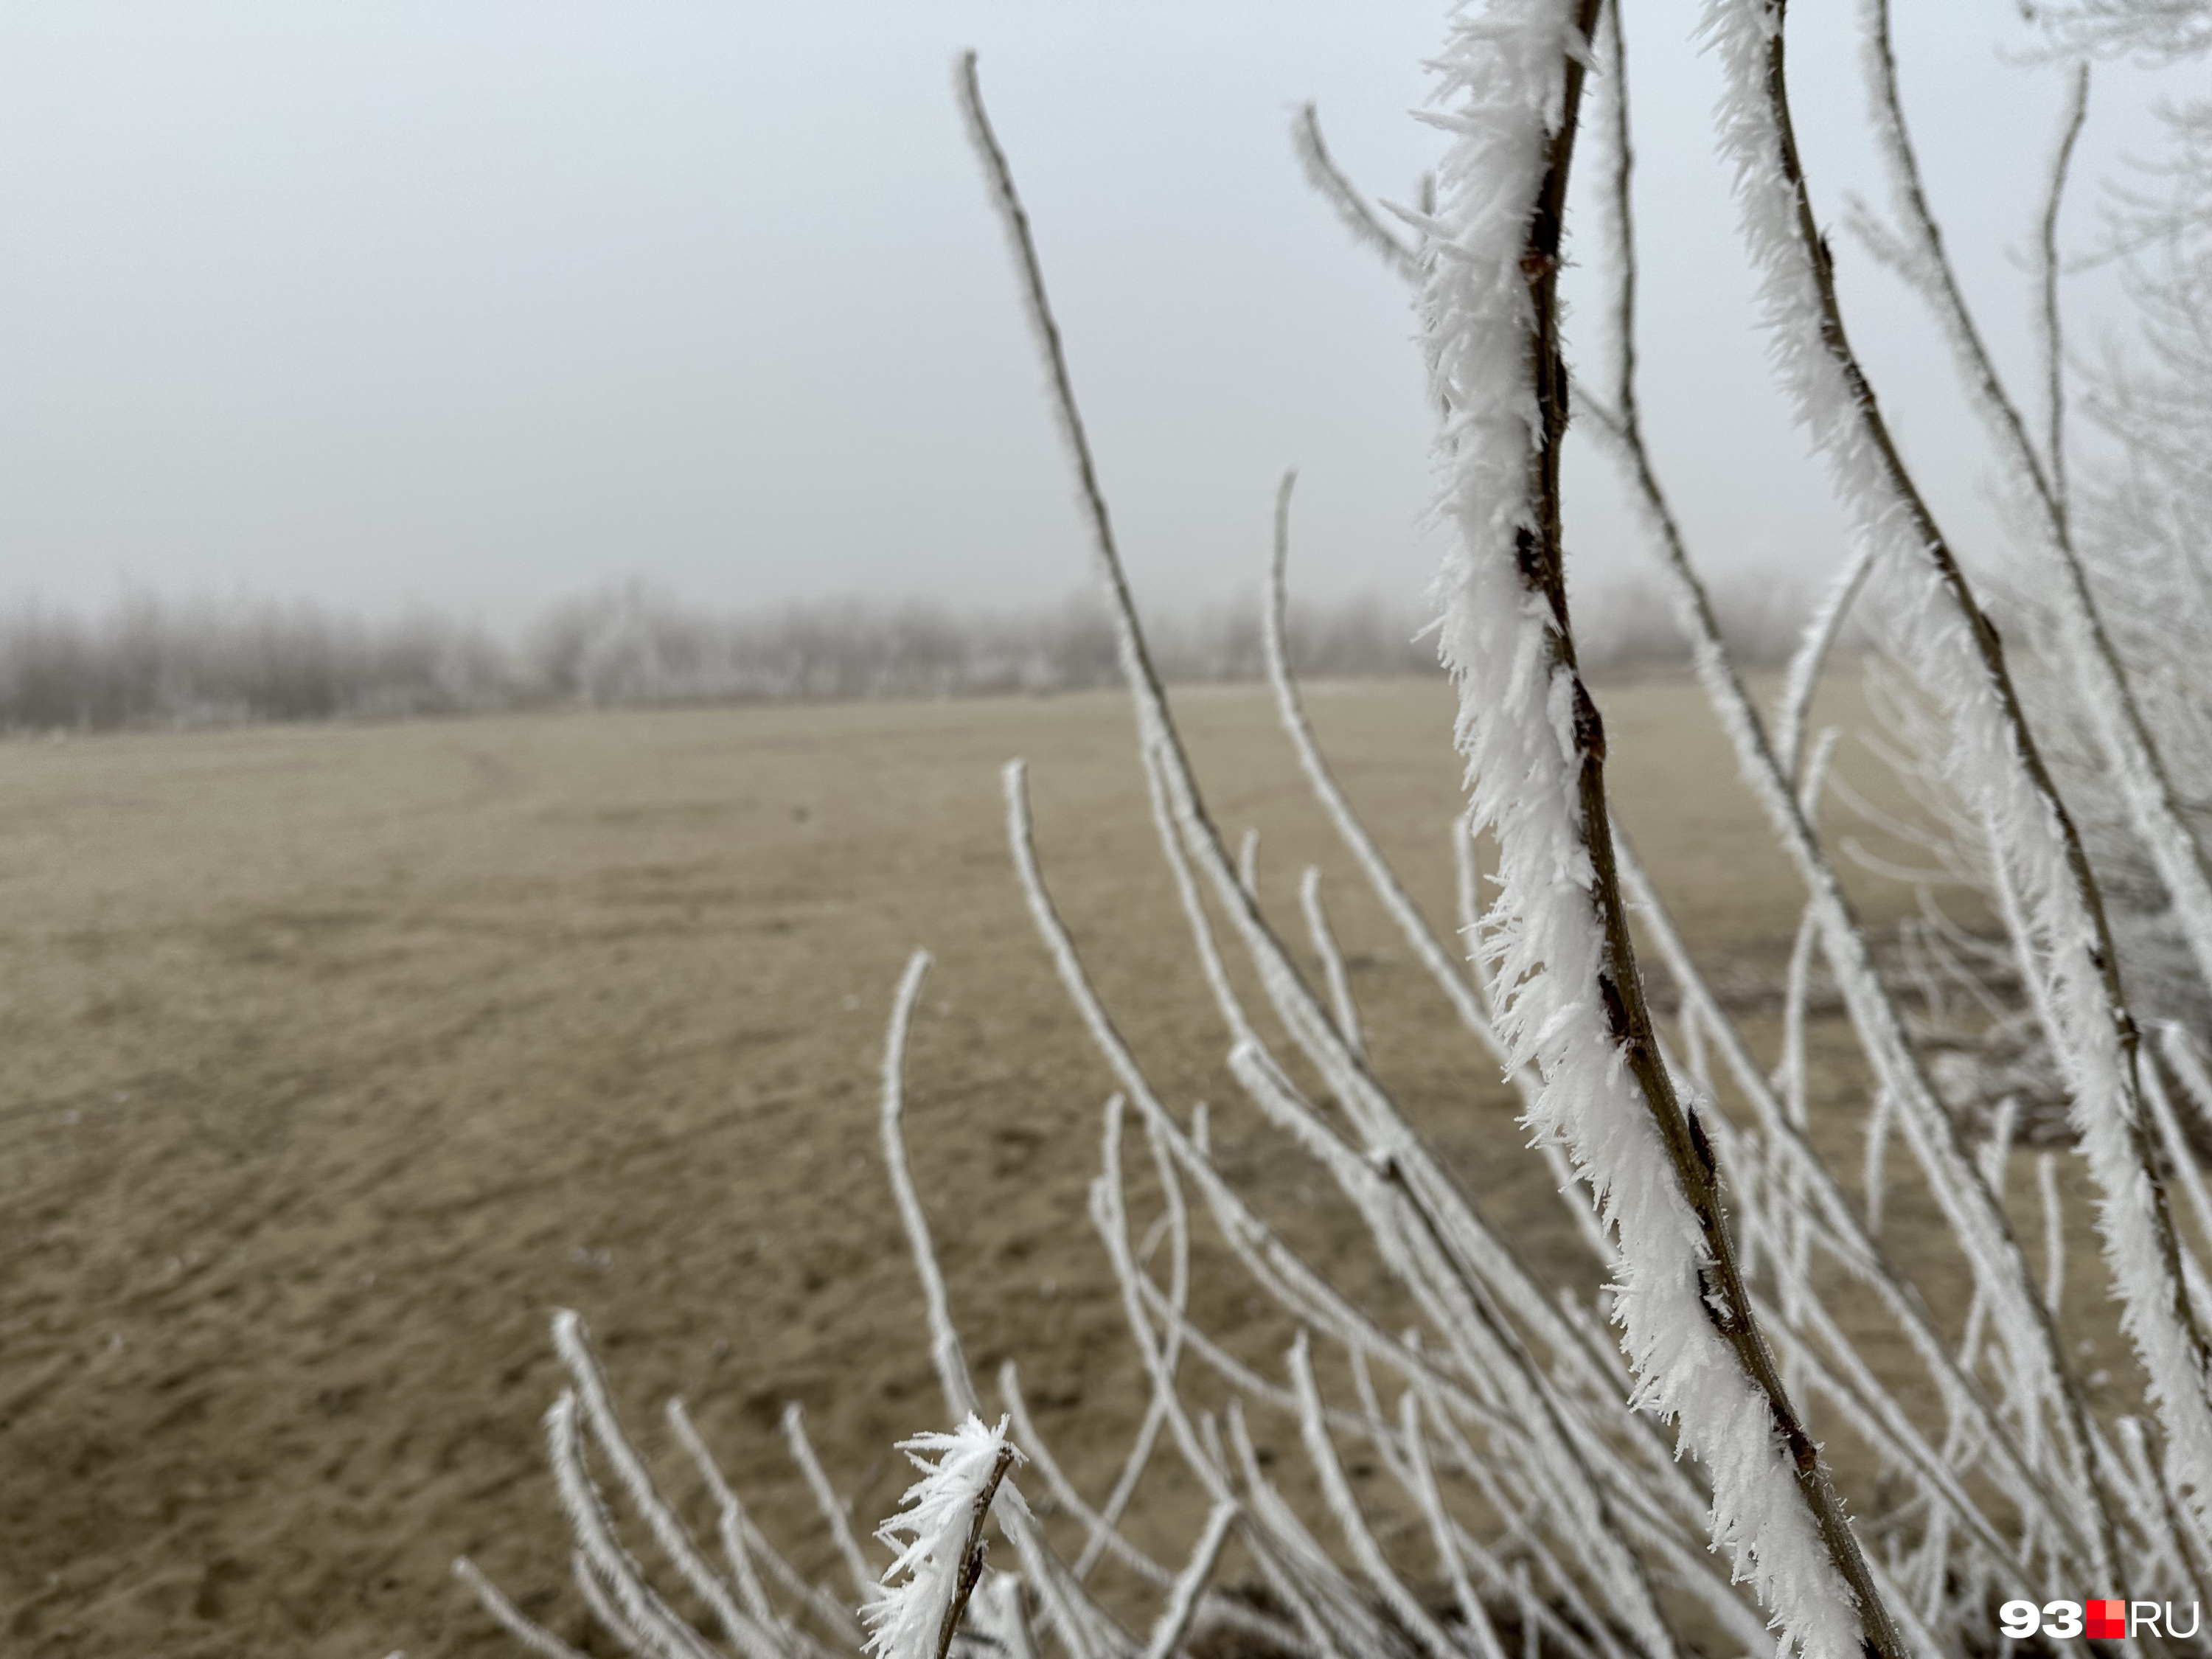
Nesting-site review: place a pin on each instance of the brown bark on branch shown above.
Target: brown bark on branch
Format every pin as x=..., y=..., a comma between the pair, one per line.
x=1540, y=551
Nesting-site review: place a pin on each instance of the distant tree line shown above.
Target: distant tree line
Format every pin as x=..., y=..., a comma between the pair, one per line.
x=144, y=662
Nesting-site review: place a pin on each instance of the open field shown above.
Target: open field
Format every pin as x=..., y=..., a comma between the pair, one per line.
x=334, y=1059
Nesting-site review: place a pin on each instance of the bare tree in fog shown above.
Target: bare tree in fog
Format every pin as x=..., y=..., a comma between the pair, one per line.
x=145, y=663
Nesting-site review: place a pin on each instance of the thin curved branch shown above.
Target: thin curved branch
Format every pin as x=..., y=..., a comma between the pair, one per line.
x=2004, y=769
x=2054, y=337
x=1352, y=207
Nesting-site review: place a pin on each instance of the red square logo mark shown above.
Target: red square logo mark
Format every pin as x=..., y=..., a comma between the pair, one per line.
x=2107, y=1621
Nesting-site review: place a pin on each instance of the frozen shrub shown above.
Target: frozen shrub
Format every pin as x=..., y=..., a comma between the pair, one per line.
x=1663, y=1487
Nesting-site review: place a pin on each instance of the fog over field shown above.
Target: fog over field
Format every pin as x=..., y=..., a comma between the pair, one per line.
x=145, y=664
x=1396, y=818
x=476, y=305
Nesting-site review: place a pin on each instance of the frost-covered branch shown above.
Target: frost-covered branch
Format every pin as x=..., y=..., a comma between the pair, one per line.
x=940, y=1518
x=1994, y=758
x=2103, y=685
x=2001, y=1265
x=2047, y=272
x=1556, y=943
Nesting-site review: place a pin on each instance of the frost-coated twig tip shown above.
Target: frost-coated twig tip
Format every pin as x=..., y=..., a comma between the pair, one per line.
x=937, y=1536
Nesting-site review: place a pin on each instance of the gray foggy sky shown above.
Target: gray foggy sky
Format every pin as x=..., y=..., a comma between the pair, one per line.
x=477, y=302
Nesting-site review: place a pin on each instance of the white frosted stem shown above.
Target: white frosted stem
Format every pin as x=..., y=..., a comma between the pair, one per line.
x=2054, y=1232
x=1252, y=1386
x=1875, y=1179
x=2181, y=1050
x=1482, y=1635
x=1315, y=1634
x=1461, y=988
x=1159, y=742
x=1176, y=1216
x=1351, y=206
x=1802, y=680
x=1451, y=977
x=834, y=1512
x=524, y=1630
x=1001, y=1601
x=668, y=1532
x=729, y=1516
x=1101, y=1533
x=1336, y=1490
x=648, y=1618
x=1332, y=961
x=1077, y=1623
x=1350, y=1613
x=1885, y=1424
x=2167, y=1528
x=1468, y=897
x=951, y=1362
x=832, y=1614
x=600, y=1601
x=2174, y=1044
x=1174, y=1620
x=1560, y=1446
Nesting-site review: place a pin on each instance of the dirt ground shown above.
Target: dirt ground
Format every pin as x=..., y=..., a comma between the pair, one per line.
x=333, y=1060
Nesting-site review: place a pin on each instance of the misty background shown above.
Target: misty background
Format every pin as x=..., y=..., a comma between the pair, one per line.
x=486, y=351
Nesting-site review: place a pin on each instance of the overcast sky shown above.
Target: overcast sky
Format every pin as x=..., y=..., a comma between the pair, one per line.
x=475, y=303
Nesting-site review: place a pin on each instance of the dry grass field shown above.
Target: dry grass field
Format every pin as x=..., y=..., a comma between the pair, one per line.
x=333, y=1059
